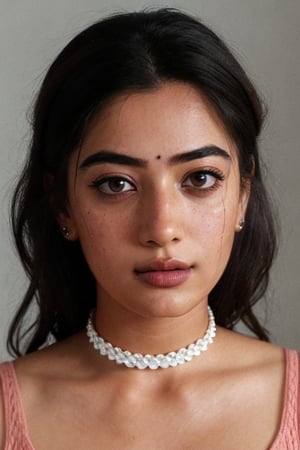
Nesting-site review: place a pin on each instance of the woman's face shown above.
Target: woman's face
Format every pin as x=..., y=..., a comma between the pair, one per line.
x=155, y=200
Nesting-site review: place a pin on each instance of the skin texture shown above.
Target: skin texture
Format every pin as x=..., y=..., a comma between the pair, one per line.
x=161, y=213
x=228, y=398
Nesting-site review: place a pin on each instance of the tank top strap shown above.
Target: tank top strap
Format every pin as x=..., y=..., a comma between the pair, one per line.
x=288, y=437
x=292, y=395
x=298, y=410
x=16, y=434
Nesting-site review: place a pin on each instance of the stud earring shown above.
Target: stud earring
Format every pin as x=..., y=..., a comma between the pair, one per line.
x=65, y=232
x=241, y=224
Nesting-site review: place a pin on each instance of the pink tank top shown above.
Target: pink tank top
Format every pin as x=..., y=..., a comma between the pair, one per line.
x=288, y=436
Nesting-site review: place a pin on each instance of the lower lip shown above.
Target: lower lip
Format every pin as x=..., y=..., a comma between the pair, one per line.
x=164, y=278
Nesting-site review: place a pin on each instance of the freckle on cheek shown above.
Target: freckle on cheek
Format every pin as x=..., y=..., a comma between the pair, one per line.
x=158, y=157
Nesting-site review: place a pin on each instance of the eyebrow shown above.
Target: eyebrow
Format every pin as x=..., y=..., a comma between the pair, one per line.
x=108, y=156
x=211, y=150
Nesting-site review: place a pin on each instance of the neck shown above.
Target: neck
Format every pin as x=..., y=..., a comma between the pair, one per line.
x=149, y=335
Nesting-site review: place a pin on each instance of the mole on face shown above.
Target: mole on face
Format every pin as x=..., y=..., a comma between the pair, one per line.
x=158, y=157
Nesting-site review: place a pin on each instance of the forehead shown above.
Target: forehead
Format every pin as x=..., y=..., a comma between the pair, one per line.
x=161, y=121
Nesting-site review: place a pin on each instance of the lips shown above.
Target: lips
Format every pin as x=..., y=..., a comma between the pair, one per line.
x=164, y=273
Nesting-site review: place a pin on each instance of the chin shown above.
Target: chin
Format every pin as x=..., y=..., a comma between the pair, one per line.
x=168, y=307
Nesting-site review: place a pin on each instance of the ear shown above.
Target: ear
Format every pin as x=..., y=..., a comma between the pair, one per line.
x=243, y=203
x=67, y=226
x=63, y=218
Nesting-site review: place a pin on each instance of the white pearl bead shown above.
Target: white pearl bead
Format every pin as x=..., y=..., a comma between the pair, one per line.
x=153, y=363
x=140, y=364
x=179, y=359
x=203, y=346
x=103, y=350
x=164, y=363
x=132, y=359
x=197, y=350
x=111, y=355
x=128, y=363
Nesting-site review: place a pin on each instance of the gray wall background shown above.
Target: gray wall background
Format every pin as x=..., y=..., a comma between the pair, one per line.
x=265, y=35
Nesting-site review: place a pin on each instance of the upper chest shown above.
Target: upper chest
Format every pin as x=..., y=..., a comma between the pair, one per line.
x=229, y=413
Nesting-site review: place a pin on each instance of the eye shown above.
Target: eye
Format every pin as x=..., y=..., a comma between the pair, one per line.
x=203, y=180
x=113, y=185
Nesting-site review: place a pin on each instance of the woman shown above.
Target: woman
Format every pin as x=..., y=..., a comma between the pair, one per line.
x=142, y=202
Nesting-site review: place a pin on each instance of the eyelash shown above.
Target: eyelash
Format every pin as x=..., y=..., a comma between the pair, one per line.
x=216, y=174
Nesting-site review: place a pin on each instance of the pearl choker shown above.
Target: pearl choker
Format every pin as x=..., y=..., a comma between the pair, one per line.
x=140, y=361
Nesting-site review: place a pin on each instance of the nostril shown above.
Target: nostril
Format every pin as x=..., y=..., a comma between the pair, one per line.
x=160, y=243
x=159, y=234
x=151, y=242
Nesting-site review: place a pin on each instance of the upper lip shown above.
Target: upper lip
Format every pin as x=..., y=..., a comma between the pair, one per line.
x=163, y=265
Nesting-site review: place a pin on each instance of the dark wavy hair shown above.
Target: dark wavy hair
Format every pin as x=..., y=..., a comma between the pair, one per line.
x=124, y=53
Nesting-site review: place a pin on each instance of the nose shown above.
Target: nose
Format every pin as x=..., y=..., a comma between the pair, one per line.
x=161, y=220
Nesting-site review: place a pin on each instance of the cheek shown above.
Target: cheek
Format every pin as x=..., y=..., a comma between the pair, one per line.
x=213, y=229
x=92, y=220
x=217, y=218
x=101, y=236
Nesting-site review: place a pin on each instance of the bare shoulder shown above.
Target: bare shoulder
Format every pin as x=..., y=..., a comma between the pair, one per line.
x=49, y=366
x=50, y=359
x=250, y=375
x=259, y=366
x=250, y=349
x=252, y=355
